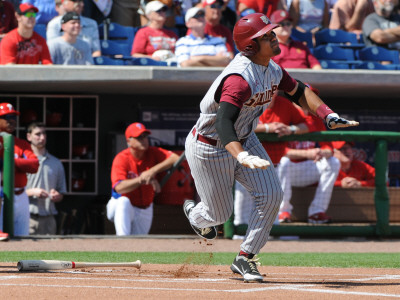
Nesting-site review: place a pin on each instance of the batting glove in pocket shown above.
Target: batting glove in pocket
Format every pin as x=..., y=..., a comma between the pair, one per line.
x=333, y=121
x=252, y=161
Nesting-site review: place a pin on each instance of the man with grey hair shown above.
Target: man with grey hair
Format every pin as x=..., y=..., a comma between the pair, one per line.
x=382, y=28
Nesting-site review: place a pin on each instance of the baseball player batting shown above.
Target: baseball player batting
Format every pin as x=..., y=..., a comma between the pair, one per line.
x=222, y=147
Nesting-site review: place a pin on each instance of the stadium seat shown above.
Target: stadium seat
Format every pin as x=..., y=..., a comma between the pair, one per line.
x=337, y=36
x=333, y=52
x=378, y=54
x=41, y=29
x=333, y=64
x=118, y=33
x=144, y=61
x=373, y=65
x=303, y=37
x=113, y=48
x=104, y=60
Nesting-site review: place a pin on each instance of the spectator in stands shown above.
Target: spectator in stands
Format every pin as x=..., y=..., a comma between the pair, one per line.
x=68, y=49
x=89, y=28
x=25, y=161
x=305, y=164
x=134, y=184
x=382, y=28
x=46, y=187
x=23, y=45
x=199, y=49
x=7, y=18
x=154, y=41
x=353, y=172
x=309, y=15
x=349, y=15
x=47, y=10
x=283, y=118
x=266, y=7
x=213, y=14
x=294, y=54
x=59, y=8
x=125, y=12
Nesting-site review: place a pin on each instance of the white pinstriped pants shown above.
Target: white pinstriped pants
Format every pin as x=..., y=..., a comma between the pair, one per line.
x=324, y=171
x=214, y=171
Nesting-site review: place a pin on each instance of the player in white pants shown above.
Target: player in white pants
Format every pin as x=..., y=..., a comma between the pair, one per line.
x=222, y=147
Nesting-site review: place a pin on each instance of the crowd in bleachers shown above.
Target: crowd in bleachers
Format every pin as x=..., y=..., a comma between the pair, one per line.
x=337, y=34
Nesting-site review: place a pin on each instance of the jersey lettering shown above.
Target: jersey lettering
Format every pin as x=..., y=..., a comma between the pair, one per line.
x=262, y=98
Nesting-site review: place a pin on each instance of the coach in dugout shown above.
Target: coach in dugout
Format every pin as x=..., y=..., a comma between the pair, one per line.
x=25, y=162
x=133, y=181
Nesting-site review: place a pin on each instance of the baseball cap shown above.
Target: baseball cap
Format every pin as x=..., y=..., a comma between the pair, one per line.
x=7, y=109
x=279, y=16
x=339, y=144
x=69, y=16
x=153, y=6
x=191, y=12
x=135, y=130
x=24, y=7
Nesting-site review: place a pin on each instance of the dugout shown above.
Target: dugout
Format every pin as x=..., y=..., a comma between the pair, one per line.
x=97, y=102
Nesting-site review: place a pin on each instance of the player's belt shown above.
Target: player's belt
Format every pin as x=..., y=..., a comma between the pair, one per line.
x=209, y=141
x=204, y=139
x=19, y=191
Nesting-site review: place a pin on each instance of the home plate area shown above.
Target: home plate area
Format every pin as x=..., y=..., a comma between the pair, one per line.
x=199, y=282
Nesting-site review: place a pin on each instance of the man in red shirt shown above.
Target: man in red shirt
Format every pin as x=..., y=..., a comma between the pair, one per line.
x=267, y=7
x=25, y=162
x=133, y=181
x=294, y=54
x=353, y=172
x=23, y=45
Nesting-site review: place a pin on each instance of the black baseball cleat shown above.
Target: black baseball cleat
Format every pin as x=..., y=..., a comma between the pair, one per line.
x=208, y=233
x=247, y=267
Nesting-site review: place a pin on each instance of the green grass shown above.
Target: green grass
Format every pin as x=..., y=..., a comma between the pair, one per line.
x=335, y=260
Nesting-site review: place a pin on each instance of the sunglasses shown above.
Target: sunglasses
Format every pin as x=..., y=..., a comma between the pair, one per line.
x=199, y=15
x=9, y=117
x=216, y=5
x=287, y=23
x=30, y=14
x=162, y=9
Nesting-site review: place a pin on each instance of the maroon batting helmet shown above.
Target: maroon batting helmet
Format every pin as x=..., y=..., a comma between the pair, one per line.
x=247, y=29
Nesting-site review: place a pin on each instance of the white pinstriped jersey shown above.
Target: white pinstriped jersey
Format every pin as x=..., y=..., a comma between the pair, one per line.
x=263, y=81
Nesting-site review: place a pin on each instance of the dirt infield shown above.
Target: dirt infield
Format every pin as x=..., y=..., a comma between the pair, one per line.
x=198, y=282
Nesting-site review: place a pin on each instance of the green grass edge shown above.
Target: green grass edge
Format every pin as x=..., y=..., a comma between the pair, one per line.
x=333, y=260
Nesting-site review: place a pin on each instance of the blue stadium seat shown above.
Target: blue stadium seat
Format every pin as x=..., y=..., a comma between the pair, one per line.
x=41, y=29
x=373, y=65
x=104, y=60
x=303, y=37
x=337, y=36
x=118, y=33
x=113, y=48
x=334, y=64
x=378, y=54
x=333, y=52
x=144, y=61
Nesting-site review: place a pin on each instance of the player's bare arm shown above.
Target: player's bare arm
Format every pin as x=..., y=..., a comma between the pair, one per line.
x=307, y=99
x=148, y=175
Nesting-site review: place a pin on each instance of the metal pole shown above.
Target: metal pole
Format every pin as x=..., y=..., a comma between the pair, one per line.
x=8, y=183
x=381, y=195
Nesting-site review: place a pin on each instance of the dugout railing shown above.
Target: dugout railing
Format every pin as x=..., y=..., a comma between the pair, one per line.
x=8, y=182
x=382, y=227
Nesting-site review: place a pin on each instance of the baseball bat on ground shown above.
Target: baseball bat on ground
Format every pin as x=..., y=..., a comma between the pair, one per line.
x=36, y=265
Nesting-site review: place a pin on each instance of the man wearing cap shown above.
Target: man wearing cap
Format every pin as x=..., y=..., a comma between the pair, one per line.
x=89, y=28
x=25, y=162
x=134, y=184
x=151, y=40
x=23, y=45
x=69, y=49
x=199, y=49
x=353, y=172
x=294, y=54
x=213, y=14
